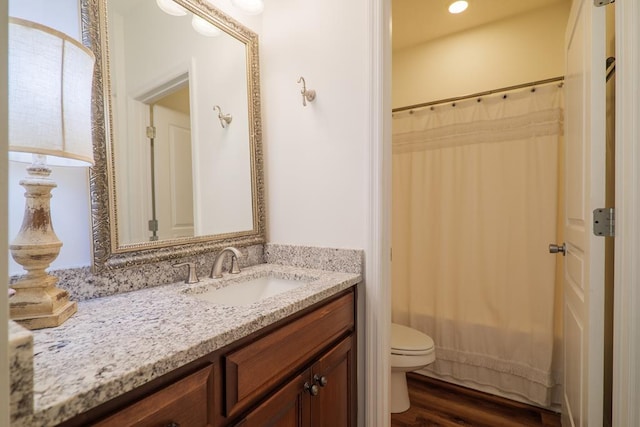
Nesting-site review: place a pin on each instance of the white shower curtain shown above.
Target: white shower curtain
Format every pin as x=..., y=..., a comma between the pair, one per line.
x=475, y=206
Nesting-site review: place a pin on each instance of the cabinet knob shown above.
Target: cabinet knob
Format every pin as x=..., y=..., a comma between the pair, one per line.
x=321, y=380
x=173, y=424
x=312, y=389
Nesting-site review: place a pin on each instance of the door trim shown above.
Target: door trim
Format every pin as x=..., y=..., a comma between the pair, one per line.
x=626, y=329
x=378, y=264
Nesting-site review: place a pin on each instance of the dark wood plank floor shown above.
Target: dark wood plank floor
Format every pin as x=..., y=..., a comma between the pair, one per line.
x=439, y=404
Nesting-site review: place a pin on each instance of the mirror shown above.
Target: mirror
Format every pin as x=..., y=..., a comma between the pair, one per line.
x=177, y=131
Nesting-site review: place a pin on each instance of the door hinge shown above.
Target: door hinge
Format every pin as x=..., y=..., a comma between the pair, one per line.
x=599, y=3
x=604, y=222
x=151, y=132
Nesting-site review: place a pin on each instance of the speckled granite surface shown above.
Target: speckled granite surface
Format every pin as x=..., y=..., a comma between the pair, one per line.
x=20, y=370
x=83, y=285
x=117, y=343
x=347, y=260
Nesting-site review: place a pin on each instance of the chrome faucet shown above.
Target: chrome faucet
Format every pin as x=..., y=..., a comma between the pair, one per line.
x=216, y=270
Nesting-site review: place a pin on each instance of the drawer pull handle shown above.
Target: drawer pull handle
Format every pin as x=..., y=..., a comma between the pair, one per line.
x=173, y=424
x=321, y=380
x=312, y=389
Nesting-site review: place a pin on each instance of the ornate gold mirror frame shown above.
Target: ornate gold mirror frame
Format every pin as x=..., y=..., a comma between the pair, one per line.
x=108, y=254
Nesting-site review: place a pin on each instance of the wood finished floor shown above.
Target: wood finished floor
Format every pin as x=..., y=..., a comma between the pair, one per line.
x=438, y=404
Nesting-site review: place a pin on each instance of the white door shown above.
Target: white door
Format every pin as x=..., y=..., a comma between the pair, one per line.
x=173, y=173
x=583, y=302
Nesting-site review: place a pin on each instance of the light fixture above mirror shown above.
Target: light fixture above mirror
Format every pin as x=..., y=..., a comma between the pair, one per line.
x=204, y=27
x=170, y=7
x=250, y=7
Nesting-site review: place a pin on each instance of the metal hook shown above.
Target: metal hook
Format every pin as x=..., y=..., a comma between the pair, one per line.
x=225, y=119
x=307, y=95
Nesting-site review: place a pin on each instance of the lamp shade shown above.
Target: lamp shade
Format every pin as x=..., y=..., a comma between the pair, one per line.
x=50, y=80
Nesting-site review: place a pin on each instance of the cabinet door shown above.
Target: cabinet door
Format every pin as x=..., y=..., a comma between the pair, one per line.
x=256, y=368
x=187, y=402
x=335, y=404
x=288, y=407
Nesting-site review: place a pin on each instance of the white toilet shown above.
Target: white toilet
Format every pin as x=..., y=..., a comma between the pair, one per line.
x=410, y=350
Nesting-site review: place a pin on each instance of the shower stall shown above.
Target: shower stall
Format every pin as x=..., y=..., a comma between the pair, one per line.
x=476, y=201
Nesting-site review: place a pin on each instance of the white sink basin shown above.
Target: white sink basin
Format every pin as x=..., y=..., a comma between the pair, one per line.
x=249, y=291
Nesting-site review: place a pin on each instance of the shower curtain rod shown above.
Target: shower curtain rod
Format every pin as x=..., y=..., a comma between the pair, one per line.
x=479, y=94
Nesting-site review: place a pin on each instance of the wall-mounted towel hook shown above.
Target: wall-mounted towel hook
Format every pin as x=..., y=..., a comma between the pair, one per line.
x=307, y=95
x=225, y=119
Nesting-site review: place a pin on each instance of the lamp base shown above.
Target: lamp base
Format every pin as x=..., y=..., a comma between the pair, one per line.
x=40, y=321
x=37, y=302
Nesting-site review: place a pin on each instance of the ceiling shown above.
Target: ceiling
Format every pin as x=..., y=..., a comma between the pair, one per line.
x=418, y=21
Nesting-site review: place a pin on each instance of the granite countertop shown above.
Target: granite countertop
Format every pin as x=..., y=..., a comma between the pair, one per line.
x=117, y=343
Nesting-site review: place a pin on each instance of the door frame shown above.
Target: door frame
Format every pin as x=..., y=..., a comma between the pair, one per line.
x=375, y=412
x=626, y=369
x=626, y=328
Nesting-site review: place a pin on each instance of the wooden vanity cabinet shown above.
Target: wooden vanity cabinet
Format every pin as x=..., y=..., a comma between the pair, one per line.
x=298, y=372
x=257, y=367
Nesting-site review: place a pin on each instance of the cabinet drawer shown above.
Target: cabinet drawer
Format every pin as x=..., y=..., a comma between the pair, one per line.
x=253, y=370
x=187, y=402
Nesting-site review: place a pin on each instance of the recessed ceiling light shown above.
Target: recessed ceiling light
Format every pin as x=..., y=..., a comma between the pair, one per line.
x=458, y=6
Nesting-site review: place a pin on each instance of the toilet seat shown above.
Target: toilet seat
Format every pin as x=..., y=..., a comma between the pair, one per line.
x=407, y=341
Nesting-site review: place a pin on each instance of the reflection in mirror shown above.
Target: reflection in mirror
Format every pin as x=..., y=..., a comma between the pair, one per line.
x=157, y=173
x=174, y=170
x=161, y=166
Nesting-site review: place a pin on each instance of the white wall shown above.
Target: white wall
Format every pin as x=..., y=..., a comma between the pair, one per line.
x=70, y=213
x=515, y=50
x=315, y=156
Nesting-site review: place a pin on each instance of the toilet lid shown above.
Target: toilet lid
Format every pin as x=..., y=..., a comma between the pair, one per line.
x=405, y=340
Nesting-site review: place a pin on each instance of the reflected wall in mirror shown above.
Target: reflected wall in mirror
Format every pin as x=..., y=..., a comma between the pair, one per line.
x=170, y=174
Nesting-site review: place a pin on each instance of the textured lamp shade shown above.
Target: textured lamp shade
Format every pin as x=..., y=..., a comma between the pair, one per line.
x=50, y=77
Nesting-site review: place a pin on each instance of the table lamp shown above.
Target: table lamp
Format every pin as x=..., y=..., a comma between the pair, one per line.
x=50, y=79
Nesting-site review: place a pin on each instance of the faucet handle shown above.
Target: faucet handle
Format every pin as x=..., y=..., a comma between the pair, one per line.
x=192, y=276
x=235, y=267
